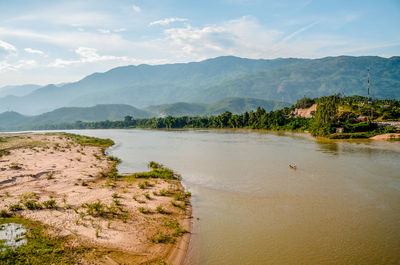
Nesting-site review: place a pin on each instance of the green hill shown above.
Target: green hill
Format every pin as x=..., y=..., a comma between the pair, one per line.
x=233, y=104
x=239, y=105
x=315, y=78
x=178, y=109
x=16, y=121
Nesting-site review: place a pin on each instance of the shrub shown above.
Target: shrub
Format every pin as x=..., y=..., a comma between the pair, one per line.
x=144, y=210
x=182, y=196
x=177, y=205
x=4, y=214
x=29, y=195
x=178, y=231
x=50, y=204
x=135, y=197
x=158, y=171
x=15, y=207
x=114, y=159
x=160, y=210
x=155, y=165
x=32, y=205
x=95, y=209
x=162, y=238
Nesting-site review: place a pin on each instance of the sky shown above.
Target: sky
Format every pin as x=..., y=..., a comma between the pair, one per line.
x=52, y=41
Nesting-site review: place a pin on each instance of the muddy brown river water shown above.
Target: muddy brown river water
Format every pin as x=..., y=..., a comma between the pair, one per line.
x=341, y=205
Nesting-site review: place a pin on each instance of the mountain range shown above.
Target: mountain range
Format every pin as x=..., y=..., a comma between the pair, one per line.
x=15, y=121
x=284, y=79
x=18, y=91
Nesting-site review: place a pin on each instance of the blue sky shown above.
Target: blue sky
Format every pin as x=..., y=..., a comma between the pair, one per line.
x=45, y=42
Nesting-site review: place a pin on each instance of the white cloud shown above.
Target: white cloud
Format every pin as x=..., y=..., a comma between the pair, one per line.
x=297, y=32
x=21, y=64
x=167, y=21
x=119, y=30
x=67, y=16
x=245, y=37
x=7, y=46
x=91, y=55
x=71, y=39
x=87, y=55
x=241, y=37
x=33, y=51
x=136, y=8
x=104, y=31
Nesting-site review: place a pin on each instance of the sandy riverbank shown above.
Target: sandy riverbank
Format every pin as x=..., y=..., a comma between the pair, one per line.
x=387, y=137
x=127, y=220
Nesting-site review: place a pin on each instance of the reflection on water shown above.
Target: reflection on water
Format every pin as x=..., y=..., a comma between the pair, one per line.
x=12, y=235
x=328, y=146
x=341, y=206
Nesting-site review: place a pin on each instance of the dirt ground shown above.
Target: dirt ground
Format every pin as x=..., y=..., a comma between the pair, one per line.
x=131, y=216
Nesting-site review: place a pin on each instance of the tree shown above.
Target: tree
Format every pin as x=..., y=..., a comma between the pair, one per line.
x=128, y=118
x=326, y=110
x=245, y=119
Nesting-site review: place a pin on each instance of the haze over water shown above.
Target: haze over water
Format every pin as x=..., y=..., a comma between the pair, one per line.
x=342, y=205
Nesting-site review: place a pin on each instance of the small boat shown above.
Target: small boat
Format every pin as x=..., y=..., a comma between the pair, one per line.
x=293, y=166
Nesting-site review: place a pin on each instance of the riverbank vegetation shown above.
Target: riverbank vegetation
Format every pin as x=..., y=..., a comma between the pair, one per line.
x=335, y=117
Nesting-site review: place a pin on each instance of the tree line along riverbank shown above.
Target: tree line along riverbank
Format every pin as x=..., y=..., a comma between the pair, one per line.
x=335, y=117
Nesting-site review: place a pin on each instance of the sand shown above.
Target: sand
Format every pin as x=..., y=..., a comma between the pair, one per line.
x=51, y=167
x=387, y=137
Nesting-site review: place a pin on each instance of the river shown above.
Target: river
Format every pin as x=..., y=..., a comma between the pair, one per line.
x=341, y=205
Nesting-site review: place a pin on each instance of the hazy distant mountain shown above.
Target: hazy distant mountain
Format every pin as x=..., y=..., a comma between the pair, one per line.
x=15, y=121
x=17, y=90
x=233, y=104
x=210, y=80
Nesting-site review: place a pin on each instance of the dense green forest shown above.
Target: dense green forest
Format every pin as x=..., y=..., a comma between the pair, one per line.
x=332, y=112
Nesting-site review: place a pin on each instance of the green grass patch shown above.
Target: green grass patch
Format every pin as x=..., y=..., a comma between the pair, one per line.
x=87, y=140
x=158, y=171
x=40, y=248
